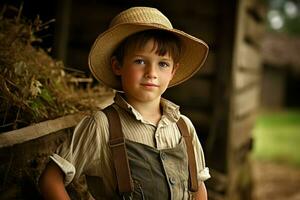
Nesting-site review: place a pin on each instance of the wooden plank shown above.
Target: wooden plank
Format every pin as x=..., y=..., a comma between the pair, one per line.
x=215, y=195
x=244, y=79
x=233, y=186
x=183, y=7
x=218, y=181
x=239, y=186
x=201, y=119
x=62, y=29
x=22, y=164
x=241, y=131
x=240, y=26
x=194, y=93
x=246, y=101
x=209, y=67
x=204, y=28
x=254, y=30
x=274, y=87
x=256, y=8
x=248, y=57
x=38, y=130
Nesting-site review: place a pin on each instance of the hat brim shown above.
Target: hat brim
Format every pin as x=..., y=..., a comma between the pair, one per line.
x=191, y=60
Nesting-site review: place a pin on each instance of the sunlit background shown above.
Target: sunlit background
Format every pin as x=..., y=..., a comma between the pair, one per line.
x=277, y=131
x=283, y=16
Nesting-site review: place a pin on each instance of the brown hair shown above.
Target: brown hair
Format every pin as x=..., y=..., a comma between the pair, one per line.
x=164, y=42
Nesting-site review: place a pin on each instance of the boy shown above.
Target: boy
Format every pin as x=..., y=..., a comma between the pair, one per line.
x=140, y=55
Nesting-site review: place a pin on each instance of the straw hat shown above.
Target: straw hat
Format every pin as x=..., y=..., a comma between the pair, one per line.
x=138, y=19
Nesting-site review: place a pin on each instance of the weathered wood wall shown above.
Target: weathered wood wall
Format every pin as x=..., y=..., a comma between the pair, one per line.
x=222, y=99
x=245, y=97
x=22, y=164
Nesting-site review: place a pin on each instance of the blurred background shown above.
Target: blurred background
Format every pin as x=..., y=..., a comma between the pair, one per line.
x=277, y=129
x=244, y=103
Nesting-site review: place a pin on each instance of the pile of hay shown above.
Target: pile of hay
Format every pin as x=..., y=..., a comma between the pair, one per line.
x=33, y=86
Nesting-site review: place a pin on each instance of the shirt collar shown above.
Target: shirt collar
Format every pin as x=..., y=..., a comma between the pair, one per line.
x=170, y=113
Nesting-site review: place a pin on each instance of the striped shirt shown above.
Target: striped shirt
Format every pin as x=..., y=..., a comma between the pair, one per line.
x=89, y=153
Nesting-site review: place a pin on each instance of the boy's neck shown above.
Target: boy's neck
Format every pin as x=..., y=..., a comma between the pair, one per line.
x=150, y=111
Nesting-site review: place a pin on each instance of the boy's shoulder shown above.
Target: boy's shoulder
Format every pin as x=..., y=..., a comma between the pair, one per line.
x=100, y=115
x=188, y=122
x=95, y=117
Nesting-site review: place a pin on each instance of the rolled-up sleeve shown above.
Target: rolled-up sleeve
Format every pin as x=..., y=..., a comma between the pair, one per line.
x=75, y=158
x=67, y=168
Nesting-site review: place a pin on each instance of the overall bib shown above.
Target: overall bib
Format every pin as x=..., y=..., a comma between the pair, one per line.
x=158, y=174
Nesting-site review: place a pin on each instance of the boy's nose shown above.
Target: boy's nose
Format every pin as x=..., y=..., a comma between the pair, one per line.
x=151, y=71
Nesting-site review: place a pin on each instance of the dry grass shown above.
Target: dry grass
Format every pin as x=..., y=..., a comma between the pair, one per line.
x=33, y=86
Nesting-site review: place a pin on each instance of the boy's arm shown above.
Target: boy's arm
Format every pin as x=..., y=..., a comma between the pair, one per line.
x=201, y=194
x=51, y=183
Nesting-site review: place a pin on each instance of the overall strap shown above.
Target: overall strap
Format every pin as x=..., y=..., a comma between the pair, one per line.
x=118, y=148
x=193, y=183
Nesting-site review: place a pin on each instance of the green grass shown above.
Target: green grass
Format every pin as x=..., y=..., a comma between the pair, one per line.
x=277, y=137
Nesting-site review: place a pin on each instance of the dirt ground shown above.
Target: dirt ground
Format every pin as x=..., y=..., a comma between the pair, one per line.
x=276, y=181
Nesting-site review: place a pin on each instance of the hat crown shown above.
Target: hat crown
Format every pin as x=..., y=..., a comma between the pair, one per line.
x=141, y=15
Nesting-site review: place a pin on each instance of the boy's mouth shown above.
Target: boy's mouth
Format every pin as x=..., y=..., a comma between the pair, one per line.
x=149, y=85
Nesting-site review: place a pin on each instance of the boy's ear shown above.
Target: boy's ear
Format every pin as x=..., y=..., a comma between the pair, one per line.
x=115, y=65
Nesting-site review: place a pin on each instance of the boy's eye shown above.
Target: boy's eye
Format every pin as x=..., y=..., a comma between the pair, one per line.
x=164, y=64
x=139, y=61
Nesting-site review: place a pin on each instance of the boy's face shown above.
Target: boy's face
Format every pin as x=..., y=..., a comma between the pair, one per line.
x=145, y=75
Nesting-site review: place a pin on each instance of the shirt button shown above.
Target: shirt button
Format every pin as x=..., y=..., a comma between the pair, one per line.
x=172, y=180
x=163, y=156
